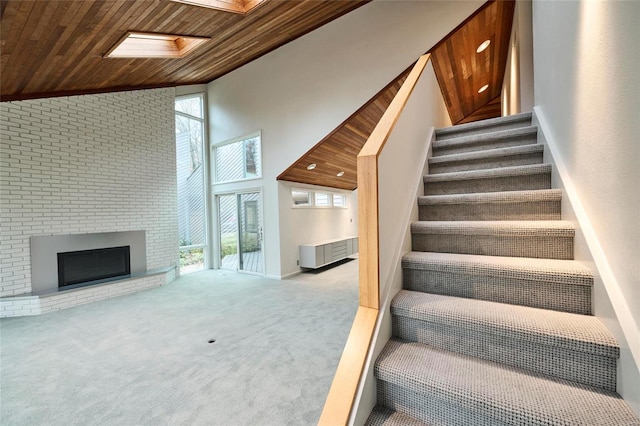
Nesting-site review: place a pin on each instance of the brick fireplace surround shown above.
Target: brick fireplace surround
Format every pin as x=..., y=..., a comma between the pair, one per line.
x=86, y=164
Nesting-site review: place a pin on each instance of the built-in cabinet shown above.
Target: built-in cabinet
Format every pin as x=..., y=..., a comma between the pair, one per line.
x=322, y=253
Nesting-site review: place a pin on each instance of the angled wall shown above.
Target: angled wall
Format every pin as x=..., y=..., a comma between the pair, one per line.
x=300, y=92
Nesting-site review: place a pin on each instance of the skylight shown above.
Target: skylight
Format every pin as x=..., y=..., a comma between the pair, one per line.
x=235, y=6
x=154, y=45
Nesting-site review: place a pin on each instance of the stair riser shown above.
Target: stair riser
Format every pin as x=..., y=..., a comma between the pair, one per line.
x=381, y=416
x=574, y=299
x=589, y=369
x=497, y=184
x=483, y=130
x=481, y=145
x=431, y=407
x=543, y=247
x=535, y=210
x=486, y=163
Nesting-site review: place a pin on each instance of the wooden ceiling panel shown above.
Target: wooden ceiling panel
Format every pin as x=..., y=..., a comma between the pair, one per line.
x=339, y=150
x=461, y=71
x=490, y=110
x=52, y=48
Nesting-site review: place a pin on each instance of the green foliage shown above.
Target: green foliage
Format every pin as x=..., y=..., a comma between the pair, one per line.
x=229, y=245
x=250, y=242
x=191, y=257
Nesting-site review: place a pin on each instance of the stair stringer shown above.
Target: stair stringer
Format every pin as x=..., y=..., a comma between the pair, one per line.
x=390, y=285
x=588, y=251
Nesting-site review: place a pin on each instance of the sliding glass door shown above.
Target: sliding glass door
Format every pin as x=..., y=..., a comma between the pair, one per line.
x=240, y=216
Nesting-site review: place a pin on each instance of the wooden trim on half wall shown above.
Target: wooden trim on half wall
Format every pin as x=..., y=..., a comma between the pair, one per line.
x=345, y=384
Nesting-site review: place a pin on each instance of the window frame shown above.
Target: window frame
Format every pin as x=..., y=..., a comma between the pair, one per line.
x=214, y=146
x=204, y=166
x=312, y=198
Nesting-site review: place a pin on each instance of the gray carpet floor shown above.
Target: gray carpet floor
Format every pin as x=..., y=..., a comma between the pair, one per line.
x=145, y=358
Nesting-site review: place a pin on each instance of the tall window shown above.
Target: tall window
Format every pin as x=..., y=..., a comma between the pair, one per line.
x=190, y=137
x=238, y=159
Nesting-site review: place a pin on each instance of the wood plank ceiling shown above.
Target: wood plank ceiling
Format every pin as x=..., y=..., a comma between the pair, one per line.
x=460, y=72
x=53, y=48
x=338, y=151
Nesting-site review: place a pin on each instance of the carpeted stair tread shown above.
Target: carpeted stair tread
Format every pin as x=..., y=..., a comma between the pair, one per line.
x=468, y=143
x=512, y=171
x=528, y=204
x=544, y=270
x=582, y=333
x=547, y=239
x=515, y=228
x=494, y=326
x=489, y=153
x=561, y=285
x=511, y=396
x=517, y=120
x=493, y=197
x=383, y=416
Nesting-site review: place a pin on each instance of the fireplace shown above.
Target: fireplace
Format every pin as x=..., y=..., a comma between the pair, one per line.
x=45, y=250
x=85, y=267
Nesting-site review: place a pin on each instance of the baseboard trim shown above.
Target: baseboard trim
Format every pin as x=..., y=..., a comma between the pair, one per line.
x=285, y=276
x=621, y=308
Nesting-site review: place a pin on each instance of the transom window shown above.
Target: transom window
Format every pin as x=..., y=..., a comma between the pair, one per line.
x=238, y=159
x=319, y=199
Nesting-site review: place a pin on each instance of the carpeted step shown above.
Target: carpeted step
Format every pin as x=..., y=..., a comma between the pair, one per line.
x=560, y=285
x=483, y=126
x=491, y=140
x=488, y=159
x=382, y=416
x=441, y=387
x=542, y=204
x=516, y=178
x=537, y=239
x=559, y=344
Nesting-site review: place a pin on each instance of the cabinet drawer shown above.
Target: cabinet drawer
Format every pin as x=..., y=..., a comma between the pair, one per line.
x=339, y=250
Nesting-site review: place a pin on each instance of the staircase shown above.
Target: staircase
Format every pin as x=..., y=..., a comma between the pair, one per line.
x=493, y=325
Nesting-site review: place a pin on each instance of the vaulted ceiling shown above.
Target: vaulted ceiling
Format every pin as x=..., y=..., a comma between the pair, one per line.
x=57, y=47
x=460, y=71
x=335, y=155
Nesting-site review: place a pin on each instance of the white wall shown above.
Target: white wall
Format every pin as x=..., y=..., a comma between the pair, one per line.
x=517, y=87
x=587, y=95
x=300, y=92
x=303, y=225
x=81, y=164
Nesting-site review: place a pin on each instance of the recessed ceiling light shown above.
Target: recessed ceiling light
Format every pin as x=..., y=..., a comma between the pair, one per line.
x=483, y=46
x=483, y=88
x=340, y=174
x=235, y=6
x=311, y=166
x=154, y=45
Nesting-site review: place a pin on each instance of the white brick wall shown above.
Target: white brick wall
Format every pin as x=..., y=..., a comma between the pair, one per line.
x=91, y=163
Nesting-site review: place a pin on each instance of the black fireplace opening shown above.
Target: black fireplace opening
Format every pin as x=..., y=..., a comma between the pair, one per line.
x=86, y=267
